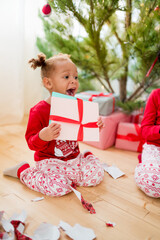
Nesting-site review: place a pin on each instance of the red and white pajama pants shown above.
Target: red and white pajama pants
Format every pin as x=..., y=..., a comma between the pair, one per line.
x=147, y=173
x=54, y=177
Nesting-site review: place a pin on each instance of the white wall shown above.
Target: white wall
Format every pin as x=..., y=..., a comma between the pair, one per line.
x=20, y=86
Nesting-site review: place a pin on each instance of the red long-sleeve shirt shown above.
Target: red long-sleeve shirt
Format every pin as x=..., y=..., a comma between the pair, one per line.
x=150, y=126
x=38, y=119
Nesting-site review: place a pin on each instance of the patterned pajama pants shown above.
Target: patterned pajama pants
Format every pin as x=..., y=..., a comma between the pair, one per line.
x=147, y=173
x=54, y=177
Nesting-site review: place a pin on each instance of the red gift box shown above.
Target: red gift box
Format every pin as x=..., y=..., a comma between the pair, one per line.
x=129, y=137
x=107, y=134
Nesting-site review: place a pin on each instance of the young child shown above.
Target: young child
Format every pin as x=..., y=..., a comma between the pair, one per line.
x=147, y=173
x=59, y=164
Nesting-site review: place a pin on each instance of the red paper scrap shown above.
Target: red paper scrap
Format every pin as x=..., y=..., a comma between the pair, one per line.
x=19, y=235
x=110, y=224
x=88, y=206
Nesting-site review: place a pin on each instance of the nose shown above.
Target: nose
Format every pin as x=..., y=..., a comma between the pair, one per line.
x=73, y=80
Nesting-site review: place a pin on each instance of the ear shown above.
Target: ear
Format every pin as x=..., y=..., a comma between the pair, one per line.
x=47, y=83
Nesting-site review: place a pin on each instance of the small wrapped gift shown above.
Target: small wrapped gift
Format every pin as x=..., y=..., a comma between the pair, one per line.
x=107, y=134
x=106, y=101
x=129, y=137
x=78, y=118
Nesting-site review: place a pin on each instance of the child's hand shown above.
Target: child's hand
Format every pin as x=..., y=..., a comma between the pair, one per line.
x=100, y=123
x=51, y=132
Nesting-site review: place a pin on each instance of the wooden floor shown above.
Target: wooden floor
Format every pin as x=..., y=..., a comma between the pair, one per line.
x=136, y=215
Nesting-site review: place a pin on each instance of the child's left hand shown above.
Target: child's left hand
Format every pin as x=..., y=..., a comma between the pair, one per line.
x=100, y=123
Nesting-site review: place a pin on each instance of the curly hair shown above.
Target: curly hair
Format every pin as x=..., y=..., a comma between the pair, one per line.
x=47, y=66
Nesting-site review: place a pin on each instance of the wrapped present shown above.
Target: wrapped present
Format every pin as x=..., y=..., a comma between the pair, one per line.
x=78, y=118
x=129, y=137
x=136, y=116
x=107, y=134
x=106, y=101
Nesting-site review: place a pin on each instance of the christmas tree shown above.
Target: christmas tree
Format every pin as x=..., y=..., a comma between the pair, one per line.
x=122, y=39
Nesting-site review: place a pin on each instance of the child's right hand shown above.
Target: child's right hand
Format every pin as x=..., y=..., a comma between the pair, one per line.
x=50, y=133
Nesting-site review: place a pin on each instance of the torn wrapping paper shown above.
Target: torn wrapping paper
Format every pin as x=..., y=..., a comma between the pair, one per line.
x=15, y=227
x=78, y=118
x=5, y=236
x=106, y=101
x=114, y=171
x=77, y=232
x=8, y=227
x=85, y=204
x=46, y=231
x=110, y=224
x=19, y=217
x=37, y=199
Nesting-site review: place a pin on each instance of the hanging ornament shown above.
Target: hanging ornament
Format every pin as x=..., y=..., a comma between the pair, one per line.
x=157, y=8
x=46, y=10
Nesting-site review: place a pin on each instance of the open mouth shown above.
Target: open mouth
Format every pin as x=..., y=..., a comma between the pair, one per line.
x=71, y=91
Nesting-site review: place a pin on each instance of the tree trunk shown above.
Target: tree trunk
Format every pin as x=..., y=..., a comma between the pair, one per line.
x=123, y=79
x=123, y=85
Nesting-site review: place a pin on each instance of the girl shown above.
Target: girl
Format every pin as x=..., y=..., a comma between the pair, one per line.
x=147, y=173
x=59, y=164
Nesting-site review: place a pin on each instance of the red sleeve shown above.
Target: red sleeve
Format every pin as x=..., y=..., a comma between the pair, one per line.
x=35, y=124
x=149, y=130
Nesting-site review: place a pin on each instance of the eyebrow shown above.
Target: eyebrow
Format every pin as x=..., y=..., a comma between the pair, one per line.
x=66, y=71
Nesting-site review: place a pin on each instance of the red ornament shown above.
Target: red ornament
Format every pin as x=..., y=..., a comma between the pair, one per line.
x=157, y=8
x=46, y=9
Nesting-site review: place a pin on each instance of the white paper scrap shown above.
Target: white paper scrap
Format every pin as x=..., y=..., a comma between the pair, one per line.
x=114, y=171
x=111, y=224
x=19, y=217
x=20, y=228
x=46, y=231
x=8, y=227
x=78, y=232
x=65, y=226
x=37, y=199
x=7, y=237
x=78, y=194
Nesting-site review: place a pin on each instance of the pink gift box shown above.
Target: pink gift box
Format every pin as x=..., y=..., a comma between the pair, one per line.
x=129, y=137
x=108, y=133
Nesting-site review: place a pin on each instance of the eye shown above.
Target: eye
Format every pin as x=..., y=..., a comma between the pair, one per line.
x=76, y=77
x=66, y=77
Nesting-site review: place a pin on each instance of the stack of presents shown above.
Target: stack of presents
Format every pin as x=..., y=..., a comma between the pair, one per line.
x=120, y=129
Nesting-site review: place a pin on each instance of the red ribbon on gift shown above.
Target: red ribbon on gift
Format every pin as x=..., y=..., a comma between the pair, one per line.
x=134, y=138
x=103, y=95
x=68, y=120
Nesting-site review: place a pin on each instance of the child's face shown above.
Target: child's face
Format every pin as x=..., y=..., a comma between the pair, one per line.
x=64, y=78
